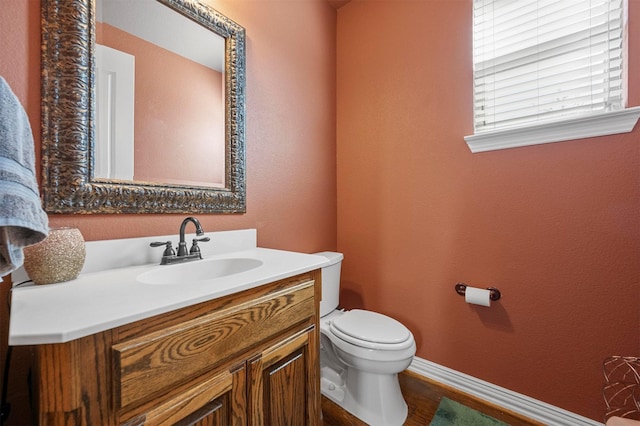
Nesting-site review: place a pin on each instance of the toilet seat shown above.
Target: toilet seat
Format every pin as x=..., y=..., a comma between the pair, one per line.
x=371, y=330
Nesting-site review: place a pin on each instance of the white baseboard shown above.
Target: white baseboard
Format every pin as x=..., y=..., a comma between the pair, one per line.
x=518, y=403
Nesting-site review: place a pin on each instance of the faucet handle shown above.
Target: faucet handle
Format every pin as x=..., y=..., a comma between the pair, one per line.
x=168, y=251
x=195, y=249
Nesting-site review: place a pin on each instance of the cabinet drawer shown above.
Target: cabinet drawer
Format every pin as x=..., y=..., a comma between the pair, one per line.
x=155, y=363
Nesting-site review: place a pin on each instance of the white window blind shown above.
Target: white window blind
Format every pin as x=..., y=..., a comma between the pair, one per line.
x=546, y=60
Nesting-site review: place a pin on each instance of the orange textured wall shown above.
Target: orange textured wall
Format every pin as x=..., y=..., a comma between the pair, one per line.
x=555, y=227
x=291, y=168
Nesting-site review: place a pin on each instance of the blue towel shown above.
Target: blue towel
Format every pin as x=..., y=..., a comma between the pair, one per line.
x=22, y=220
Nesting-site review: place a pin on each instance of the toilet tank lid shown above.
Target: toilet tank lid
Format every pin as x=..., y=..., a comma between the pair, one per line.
x=334, y=257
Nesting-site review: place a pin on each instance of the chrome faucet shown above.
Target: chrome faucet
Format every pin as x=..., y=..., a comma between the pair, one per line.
x=169, y=256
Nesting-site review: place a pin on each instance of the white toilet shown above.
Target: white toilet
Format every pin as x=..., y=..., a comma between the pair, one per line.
x=361, y=354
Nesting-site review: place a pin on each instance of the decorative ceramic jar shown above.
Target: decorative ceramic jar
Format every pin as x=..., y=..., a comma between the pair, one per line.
x=59, y=257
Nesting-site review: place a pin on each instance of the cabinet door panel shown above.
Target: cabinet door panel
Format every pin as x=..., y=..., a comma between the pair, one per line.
x=285, y=391
x=284, y=382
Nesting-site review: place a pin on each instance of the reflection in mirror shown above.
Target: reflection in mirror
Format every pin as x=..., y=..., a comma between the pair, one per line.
x=80, y=174
x=150, y=125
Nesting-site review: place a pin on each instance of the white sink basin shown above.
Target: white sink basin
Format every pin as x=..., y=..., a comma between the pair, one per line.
x=198, y=270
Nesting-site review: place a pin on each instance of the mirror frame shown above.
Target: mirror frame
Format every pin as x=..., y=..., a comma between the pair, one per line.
x=68, y=121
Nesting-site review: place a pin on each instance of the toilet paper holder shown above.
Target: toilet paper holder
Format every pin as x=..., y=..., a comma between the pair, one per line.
x=494, y=293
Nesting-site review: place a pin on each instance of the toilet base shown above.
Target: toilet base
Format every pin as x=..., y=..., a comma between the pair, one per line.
x=373, y=398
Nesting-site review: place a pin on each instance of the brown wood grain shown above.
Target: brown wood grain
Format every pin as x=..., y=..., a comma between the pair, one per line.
x=179, y=316
x=423, y=397
x=172, y=411
x=193, y=365
x=283, y=382
x=286, y=392
x=74, y=380
x=163, y=359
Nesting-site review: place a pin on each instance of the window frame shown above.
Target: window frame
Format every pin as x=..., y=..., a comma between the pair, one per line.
x=587, y=126
x=564, y=129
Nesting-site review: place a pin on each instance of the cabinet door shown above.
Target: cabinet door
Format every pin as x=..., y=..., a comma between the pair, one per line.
x=217, y=400
x=284, y=382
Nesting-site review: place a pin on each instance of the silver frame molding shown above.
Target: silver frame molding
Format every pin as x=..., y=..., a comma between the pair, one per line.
x=68, y=83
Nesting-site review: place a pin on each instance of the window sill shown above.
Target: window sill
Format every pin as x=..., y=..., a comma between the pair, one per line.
x=608, y=123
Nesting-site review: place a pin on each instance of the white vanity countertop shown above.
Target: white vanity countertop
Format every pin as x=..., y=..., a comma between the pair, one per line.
x=98, y=301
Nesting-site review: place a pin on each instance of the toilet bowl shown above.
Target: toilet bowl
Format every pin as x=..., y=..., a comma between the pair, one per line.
x=361, y=354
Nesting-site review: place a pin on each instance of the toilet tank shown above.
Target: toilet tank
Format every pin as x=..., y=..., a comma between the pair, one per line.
x=330, y=282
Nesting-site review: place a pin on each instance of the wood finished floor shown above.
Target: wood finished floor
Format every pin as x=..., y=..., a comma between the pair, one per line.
x=423, y=396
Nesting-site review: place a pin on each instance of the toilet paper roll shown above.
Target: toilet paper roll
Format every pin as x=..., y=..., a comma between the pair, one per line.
x=477, y=296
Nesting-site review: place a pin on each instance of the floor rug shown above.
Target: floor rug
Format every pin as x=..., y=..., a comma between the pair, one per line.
x=451, y=413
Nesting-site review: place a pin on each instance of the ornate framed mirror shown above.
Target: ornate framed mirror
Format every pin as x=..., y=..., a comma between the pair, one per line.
x=70, y=183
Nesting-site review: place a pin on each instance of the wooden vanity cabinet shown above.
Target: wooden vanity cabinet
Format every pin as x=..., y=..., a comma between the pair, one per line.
x=250, y=358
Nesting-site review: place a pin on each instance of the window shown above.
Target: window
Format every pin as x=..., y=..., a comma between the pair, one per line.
x=548, y=70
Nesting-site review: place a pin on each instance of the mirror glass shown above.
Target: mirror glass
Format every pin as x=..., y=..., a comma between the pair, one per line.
x=143, y=107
